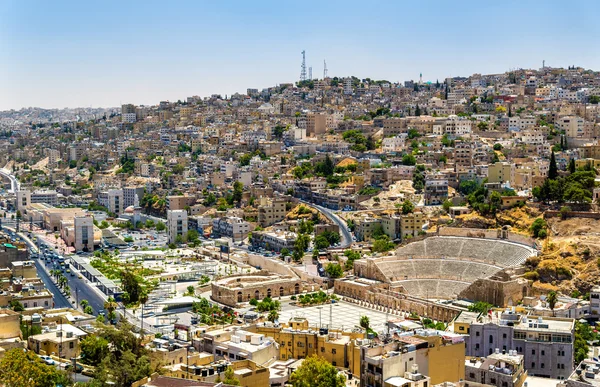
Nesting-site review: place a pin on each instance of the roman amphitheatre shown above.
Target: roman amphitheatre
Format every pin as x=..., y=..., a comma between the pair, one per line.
x=486, y=265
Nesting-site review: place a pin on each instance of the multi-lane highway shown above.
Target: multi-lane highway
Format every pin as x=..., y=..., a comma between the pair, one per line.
x=81, y=289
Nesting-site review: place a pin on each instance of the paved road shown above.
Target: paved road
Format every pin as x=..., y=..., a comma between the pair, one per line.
x=80, y=288
x=14, y=183
x=344, y=233
x=60, y=301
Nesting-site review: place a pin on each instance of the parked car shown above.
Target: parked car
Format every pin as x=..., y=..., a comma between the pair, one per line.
x=78, y=367
x=47, y=359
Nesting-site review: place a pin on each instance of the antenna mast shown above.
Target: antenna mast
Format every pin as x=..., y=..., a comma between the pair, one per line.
x=303, y=67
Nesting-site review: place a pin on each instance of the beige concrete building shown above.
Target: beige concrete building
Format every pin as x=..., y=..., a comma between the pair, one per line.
x=63, y=342
x=243, y=287
x=501, y=173
x=315, y=124
x=24, y=269
x=271, y=211
x=180, y=202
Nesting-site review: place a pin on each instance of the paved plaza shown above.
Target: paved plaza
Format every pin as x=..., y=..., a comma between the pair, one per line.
x=342, y=314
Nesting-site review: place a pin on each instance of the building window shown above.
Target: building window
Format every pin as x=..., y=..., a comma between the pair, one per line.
x=543, y=352
x=491, y=339
x=333, y=351
x=542, y=365
x=477, y=334
x=71, y=345
x=461, y=328
x=533, y=351
x=532, y=365
x=472, y=375
x=322, y=349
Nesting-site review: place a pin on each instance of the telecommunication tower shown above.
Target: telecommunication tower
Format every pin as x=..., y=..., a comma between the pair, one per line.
x=324, y=69
x=303, y=67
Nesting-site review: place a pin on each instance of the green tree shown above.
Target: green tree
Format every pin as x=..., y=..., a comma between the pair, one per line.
x=382, y=244
x=321, y=242
x=538, y=228
x=229, y=377
x=334, y=270
x=25, y=369
x=93, y=348
x=273, y=316
x=16, y=306
x=409, y=159
x=160, y=226
x=238, y=191
x=551, y=299
x=594, y=99
x=316, y=372
x=553, y=169
x=572, y=166
x=365, y=322
x=446, y=205
x=480, y=306
x=131, y=284
x=193, y=236
x=407, y=207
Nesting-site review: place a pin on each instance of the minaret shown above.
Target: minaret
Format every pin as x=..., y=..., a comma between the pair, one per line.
x=420, y=78
x=137, y=211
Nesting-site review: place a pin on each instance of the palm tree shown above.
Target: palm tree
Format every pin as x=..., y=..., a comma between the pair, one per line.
x=551, y=300
x=143, y=298
x=365, y=322
x=273, y=315
x=84, y=303
x=110, y=305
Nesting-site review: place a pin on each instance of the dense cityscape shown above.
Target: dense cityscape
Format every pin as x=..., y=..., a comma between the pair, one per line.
x=334, y=231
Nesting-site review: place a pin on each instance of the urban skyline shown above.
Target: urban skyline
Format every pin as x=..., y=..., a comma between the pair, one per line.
x=69, y=55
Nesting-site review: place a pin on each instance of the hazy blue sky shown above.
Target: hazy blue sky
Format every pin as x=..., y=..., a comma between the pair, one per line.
x=104, y=53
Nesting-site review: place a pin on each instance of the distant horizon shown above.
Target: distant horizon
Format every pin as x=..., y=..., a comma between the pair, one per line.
x=68, y=54
x=243, y=91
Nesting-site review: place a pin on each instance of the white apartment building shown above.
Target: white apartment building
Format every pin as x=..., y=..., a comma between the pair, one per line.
x=177, y=224
x=84, y=233
x=348, y=86
x=53, y=157
x=23, y=199
x=129, y=118
x=394, y=144
x=129, y=194
x=232, y=227
x=531, y=137
x=115, y=201
x=457, y=126
x=45, y=196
